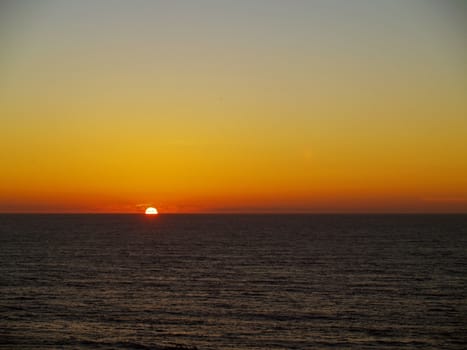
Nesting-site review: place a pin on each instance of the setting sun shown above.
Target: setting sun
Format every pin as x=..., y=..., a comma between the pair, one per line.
x=151, y=211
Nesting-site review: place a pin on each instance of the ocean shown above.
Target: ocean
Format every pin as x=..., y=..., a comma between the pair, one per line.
x=233, y=281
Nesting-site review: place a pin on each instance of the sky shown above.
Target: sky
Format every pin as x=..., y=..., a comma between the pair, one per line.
x=233, y=106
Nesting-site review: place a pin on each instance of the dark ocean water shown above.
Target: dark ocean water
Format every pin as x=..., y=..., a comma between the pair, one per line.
x=233, y=281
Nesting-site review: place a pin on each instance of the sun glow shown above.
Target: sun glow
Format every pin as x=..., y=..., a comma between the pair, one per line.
x=151, y=211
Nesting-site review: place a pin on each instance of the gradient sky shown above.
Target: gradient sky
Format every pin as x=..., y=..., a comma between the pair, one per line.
x=233, y=106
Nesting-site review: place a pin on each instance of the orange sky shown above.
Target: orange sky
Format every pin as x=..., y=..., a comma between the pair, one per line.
x=246, y=106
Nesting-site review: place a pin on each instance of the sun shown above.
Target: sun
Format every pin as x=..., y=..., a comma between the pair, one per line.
x=151, y=211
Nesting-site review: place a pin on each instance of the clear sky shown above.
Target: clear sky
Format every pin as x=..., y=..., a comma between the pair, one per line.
x=233, y=106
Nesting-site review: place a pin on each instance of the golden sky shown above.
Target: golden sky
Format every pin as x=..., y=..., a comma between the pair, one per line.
x=233, y=106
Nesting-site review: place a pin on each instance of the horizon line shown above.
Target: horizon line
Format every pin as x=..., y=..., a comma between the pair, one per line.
x=238, y=213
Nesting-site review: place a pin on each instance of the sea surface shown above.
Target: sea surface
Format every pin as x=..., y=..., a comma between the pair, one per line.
x=233, y=281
